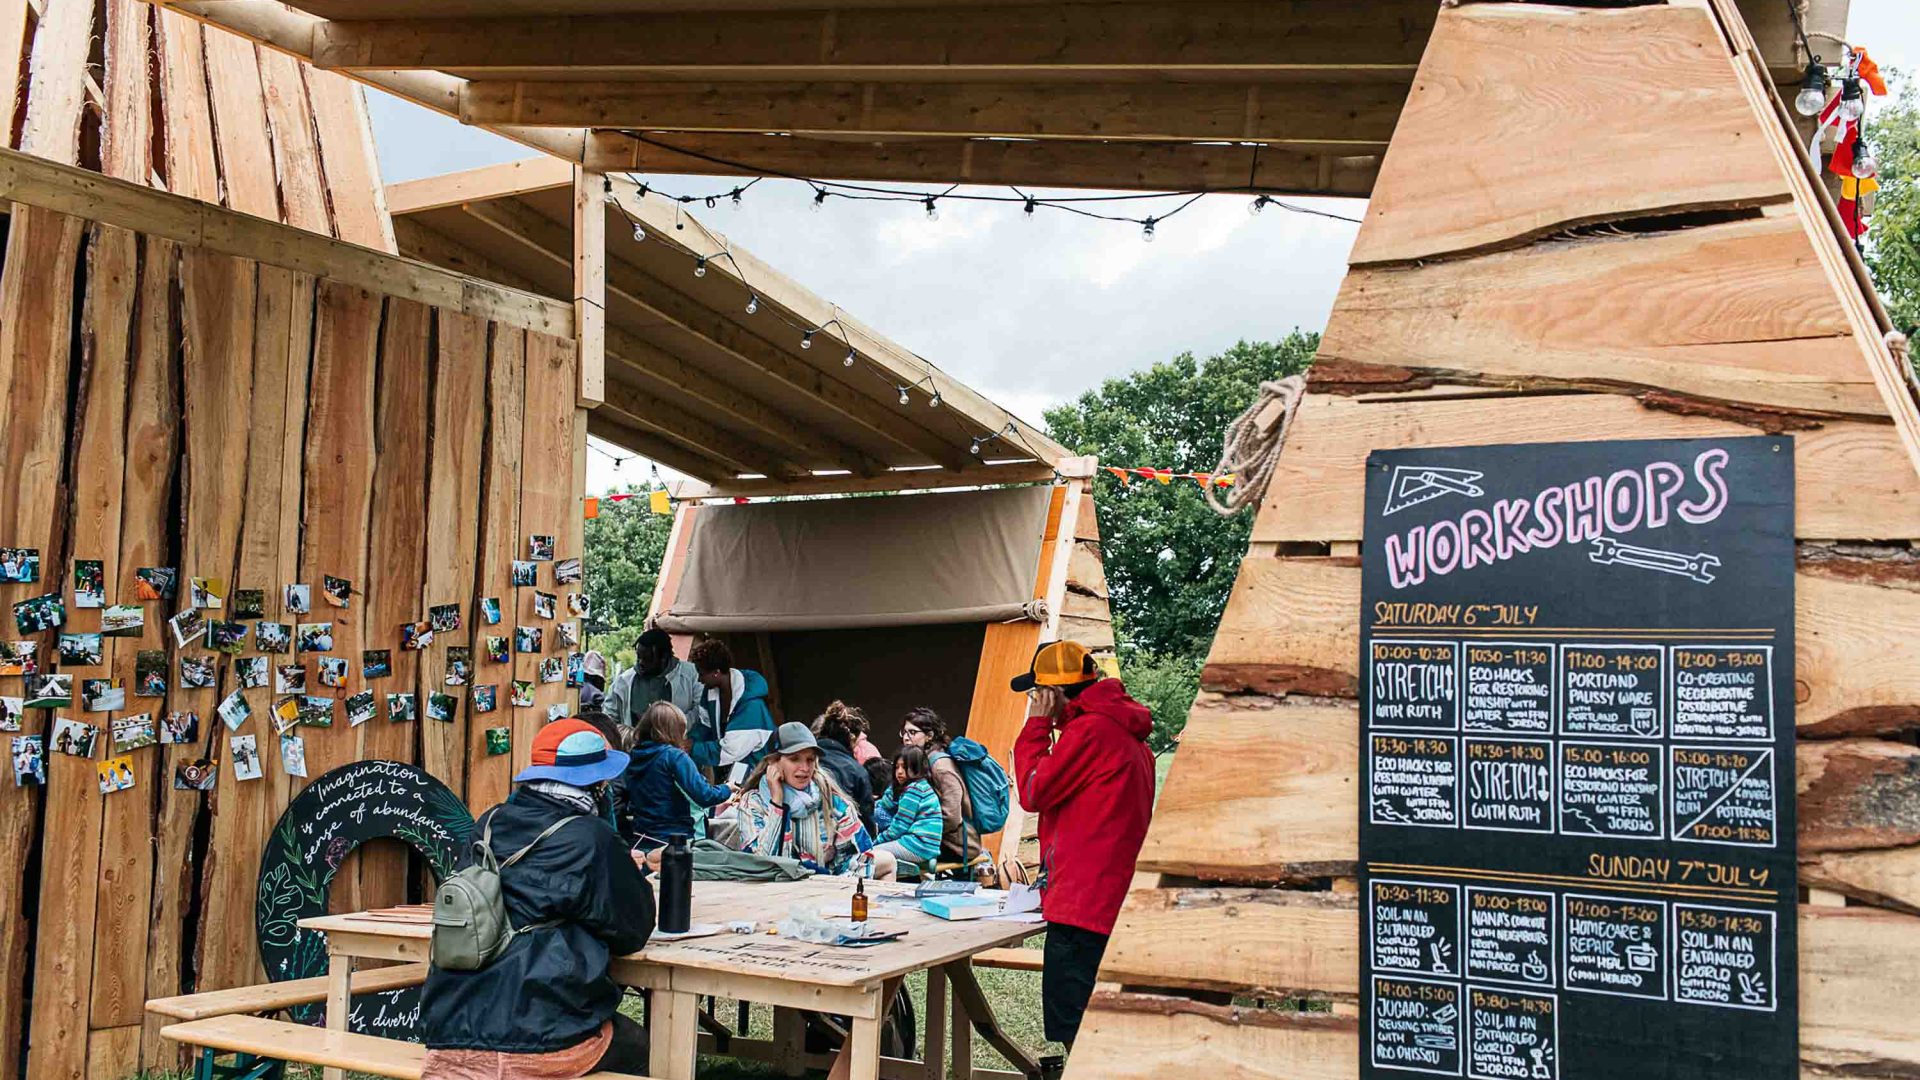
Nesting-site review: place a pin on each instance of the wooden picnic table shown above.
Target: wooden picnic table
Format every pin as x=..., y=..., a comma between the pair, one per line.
x=785, y=973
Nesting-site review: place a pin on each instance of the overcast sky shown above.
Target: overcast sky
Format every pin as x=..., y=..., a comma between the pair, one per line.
x=1031, y=311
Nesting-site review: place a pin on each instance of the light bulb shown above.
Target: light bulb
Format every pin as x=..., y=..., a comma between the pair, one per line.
x=1258, y=205
x=1864, y=163
x=639, y=232
x=1146, y=230
x=848, y=362
x=819, y=199
x=753, y=303
x=903, y=396
x=737, y=201
x=933, y=212
x=1852, y=105
x=975, y=448
x=1030, y=206
x=1813, y=90
x=806, y=339
x=934, y=403
x=700, y=266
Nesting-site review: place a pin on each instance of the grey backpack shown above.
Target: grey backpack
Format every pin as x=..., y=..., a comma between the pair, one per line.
x=470, y=924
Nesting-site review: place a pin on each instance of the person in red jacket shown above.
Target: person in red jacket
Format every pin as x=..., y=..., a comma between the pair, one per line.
x=1083, y=765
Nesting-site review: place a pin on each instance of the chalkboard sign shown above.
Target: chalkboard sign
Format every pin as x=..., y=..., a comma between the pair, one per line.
x=366, y=800
x=1577, y=824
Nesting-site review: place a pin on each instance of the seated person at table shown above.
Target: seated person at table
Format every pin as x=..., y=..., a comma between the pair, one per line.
x=912, y=812
x=959, y=841
x=864, y=751
x=733, y=723
x=834, y=730
x=792, y=808
x=546, y=1006
x=879, y=778
x=662, y=785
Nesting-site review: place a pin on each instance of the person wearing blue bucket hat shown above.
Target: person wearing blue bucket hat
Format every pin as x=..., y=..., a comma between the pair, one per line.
x=576, y=898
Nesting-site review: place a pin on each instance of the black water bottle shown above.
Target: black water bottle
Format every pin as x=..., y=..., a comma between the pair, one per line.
x=676, y=887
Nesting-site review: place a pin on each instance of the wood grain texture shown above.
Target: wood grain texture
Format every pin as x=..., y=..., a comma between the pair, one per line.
x=296, y=154
x=489, y=777
x=452, y=532
x=1850, y=478
x=13, y=47
x=1885, y=877
x=1137, y=1036
x=1857, y=794
x=346, y=153
x=57, y=80
x=549, y=506
x=190, y=166
x=1470, y=166
x=1251, y=942
x=126, y=131
x=240, y=126
x=1856, y=992
x=1738, y=312
x=1291, y=630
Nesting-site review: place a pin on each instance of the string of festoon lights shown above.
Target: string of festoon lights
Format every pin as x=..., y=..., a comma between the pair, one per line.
x=1842, y=115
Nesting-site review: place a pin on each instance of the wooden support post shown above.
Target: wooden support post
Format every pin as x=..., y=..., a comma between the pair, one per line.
x=935, y=1053
x=790, y=1040
x=590, y=285
x=339, y=1000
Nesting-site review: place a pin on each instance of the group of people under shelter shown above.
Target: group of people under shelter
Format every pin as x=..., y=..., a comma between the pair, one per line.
x=678, y=749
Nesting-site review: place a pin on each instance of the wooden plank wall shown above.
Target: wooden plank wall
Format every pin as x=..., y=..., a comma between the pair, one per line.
x=244, y=422
x=1484, y=302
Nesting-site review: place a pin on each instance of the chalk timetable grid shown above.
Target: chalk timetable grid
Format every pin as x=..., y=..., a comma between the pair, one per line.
x=1459, y=1026
x=1767, y=757
x=1553, y=937
x=1673, y=693
x=1773, y=958
x=1552, y=650
x=1453, y=724
x=1553, y=785
x=1553, y=1039
x=1659, y=761
x=1373, y=930
x=1572, y=985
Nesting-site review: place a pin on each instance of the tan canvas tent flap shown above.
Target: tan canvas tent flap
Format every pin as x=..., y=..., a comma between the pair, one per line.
x=831, y=564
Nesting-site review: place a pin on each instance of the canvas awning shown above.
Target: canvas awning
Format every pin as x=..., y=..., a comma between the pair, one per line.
x=835, y=564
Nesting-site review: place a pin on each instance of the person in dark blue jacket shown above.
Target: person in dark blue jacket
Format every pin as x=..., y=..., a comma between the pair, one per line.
x=662, y=784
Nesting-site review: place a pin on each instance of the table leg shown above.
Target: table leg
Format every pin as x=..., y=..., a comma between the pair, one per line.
x=790, y=1037
x=962, y=1038
x=865, y=1037
x=967, y=992
x=339, y=1000
x=675, y=1038
x=935, y=1027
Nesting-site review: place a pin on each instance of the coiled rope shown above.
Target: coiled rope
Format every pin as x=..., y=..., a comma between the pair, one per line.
x=1252, y=445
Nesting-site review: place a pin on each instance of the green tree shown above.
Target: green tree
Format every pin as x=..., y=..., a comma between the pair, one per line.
x=624, y=548
x=1893, y=244
x=1170, y=559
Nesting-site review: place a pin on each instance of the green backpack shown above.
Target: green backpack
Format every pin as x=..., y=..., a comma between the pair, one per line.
x=470, y=924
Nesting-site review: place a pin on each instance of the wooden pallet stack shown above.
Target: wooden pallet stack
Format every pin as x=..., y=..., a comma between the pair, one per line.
x=1592, y=224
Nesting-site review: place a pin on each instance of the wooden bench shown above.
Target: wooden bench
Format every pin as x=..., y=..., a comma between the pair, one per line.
x=1011, y=959
x=265, y=1040
x=273, y=997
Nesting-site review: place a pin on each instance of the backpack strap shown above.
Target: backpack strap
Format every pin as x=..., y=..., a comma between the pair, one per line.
x=548, y=831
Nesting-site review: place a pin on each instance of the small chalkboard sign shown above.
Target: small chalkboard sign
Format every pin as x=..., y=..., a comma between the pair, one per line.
x=1577, y=822
x=366, y=800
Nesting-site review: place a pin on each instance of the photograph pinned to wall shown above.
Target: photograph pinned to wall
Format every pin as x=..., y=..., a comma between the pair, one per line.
x=331, y=671
x=570, y=634
x=188, y=627
x=116, y=774
x=11, y=711
x=578, y=604
x=316, y=711
x=74, y=737
x=490, y=610
x=553, y=670
x=297, y=599
x=499, y=741
x=81, y=650
x=557, y=711
x=273, y=637
x=150, y=673
x=252, y=671
x=40, y=614
x=19, y=565
x=29, y=760
x=444, y=618
x=249, y=603
x=523, y=574
x=375, y=663
x=566, y=571
x=576, y=669
x=337, y=590
x=244, y=750
x=442, y=707
x=499, y=649
x=235, y=711
x=179, y=728
x=197, y=673
x=528, y=639
x=290, y=679
x=459, y=665
x=227, y=637
x=545, y=605
x=198, y=775
x=402, y=708
x=49, y=691
x=415, y=636
x=361, y=708
x=286, y=714
x=134, y=733
x=89, y=583
x=522, y=693
x=293, y=755
x=486, y=698
x=207, y=593
x=540, y=548
x=314, y=637
x=17, y=658
x=123, y=620
x=103, y=695
x=155, y=583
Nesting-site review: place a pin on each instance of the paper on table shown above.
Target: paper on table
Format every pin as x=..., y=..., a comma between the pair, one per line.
x=696, y=930
x=1021, y=898
x=1018, y=917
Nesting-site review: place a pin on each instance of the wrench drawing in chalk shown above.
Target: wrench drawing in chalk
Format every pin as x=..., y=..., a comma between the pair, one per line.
x=1607, y=551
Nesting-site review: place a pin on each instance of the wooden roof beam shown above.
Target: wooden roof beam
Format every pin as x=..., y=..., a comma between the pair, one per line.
x=1331, y=113
x=653, y=413
x=1249, y=38
x=609, y=425
x=1122, y=165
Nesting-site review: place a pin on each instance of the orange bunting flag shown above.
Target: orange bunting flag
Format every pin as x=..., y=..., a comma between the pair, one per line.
x=1870, y=73
x=1120, y=474
x=593, y=508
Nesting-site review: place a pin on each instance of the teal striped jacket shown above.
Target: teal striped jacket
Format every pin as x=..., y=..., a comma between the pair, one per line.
x=913, y=820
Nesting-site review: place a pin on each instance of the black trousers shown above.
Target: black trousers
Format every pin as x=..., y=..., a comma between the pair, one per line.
x=1066, y=982
x=627, y=1053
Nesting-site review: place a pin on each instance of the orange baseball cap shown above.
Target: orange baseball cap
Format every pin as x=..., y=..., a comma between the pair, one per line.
x=1057, y=663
